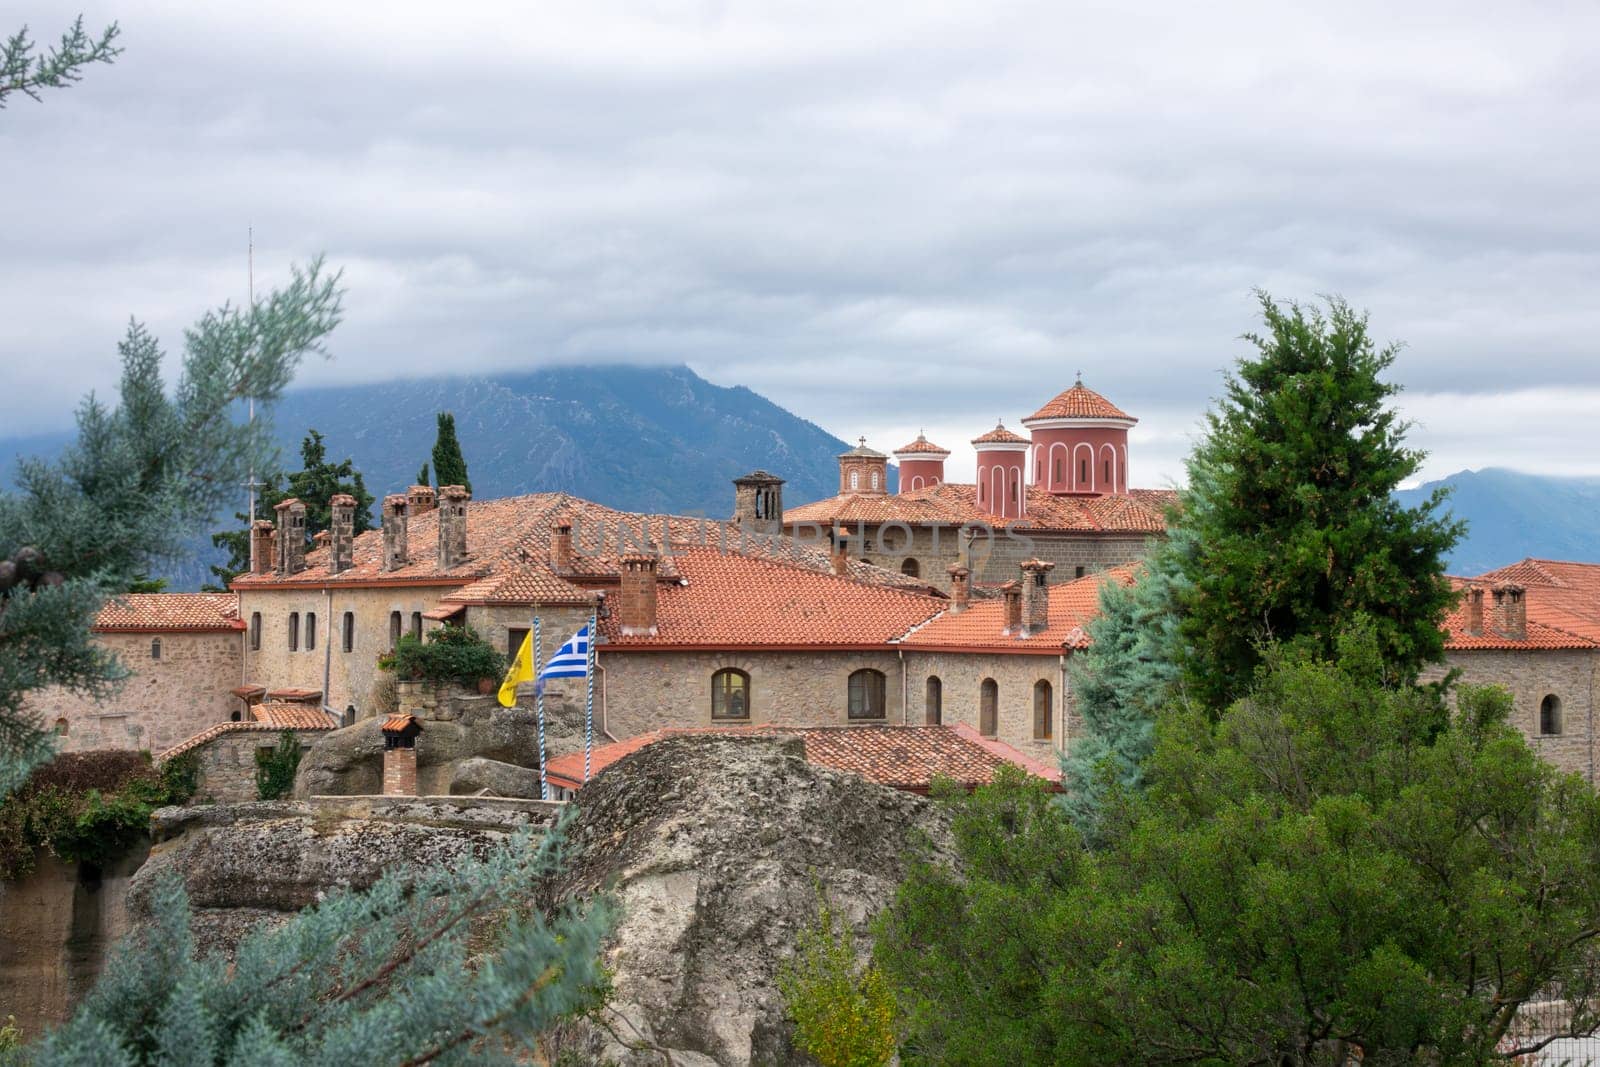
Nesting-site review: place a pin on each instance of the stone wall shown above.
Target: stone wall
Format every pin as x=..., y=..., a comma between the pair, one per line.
x=163, y=702
x=961, y=676
x=228, y=763
x=1573, y=676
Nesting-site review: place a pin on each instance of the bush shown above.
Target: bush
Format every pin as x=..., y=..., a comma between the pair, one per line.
x=842, y=1018
x=275, y=770
x=448, y=654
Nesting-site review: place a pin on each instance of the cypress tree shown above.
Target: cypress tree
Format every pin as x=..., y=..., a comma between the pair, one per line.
x=422, y=475
x=449, y=466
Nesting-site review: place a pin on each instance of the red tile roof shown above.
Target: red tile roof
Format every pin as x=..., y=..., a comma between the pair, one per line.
x=728, y=600
x=221, y=728
x=904, y=757
x=169, y=613
x=399, y=723
x=1000, y=435
x=1141, y=511
x=296, y=694
x=981, y=627
x=287, y=715
x=1562, y=601
x=922, y=445
x=1079, y=402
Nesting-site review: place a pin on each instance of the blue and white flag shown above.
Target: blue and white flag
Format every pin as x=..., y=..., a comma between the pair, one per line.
x=570, y=661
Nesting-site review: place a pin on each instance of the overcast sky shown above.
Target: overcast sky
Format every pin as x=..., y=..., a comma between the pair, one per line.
x=884, y=217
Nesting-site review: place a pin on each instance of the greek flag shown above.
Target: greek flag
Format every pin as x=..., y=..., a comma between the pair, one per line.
x=570, y=661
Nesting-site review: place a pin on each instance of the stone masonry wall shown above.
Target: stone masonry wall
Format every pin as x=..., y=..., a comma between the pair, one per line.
x=163, y=702
x=1573, y=676
x=228, y=764
x=961, y=677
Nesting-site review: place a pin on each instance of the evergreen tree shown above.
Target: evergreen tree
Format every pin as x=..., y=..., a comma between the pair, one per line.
x=449, y=467
x=138, y=478
x=21, y=71
x=314, y=484
x=1301, y=532
x=422, y=475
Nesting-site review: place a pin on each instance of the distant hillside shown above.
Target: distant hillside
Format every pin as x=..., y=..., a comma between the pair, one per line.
x=635, y=438
x=1511, y=515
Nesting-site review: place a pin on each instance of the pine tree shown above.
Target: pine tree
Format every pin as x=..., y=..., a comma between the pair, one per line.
x=314, y=484
x=449, y=467
x=138, y=478
x=21, y=71
x=1302, y=533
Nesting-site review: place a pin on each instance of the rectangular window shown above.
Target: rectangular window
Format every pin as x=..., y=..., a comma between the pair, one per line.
x=416, y=625
x=349, y=631
x=311, y=631
x=394, y=630
x=294, y=631
x=514, y=639
x=255, y=631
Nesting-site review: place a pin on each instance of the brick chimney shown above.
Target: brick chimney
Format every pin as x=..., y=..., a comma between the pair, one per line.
x=839, y=554
x=291, y=536
x=395, y=546
x=263, y=540
x=960, y=587
x=1012, y=592
x=400, y=755
x=561, y=547
x=420, y=500
x=1511, y=610
x=636, y=600
x=342, y=524
x=1474, y=601
x=1036, y=594
x=452, y=526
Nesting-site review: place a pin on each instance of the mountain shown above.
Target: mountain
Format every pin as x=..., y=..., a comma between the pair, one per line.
x=1511, y=515
x=635, y=438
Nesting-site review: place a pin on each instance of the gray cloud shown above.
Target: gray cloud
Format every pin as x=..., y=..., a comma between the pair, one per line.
x=883, y=216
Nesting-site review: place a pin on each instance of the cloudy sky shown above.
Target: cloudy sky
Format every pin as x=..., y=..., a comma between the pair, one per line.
x=883, y=216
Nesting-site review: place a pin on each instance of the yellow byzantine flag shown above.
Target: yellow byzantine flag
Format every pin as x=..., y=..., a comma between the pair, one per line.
x=521, y=671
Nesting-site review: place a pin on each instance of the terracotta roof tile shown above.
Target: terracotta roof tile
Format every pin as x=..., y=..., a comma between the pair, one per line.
x=1079, y=402
x=981, y=627
x=399, y=723
x=221, y=728
x=954, y=504
x=169, y=612
x=921, y=446
x=285, y=714
x=1000, y=435
x=904, y=757
x=295, y=694
x=1562, y=604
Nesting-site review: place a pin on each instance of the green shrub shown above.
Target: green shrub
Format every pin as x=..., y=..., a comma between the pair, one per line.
x=843, y=1014
x=447, y=654
x=275, y=770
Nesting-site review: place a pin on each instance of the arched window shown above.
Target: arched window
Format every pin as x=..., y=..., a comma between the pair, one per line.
x=294, y=631
x=1043, y=710
x=867, y=694
x=311, y=631
x=911, y=567
x=416, y=625
x=1108, y=472
x=730, y=694
x=855, y=480
x=989, y=708
x=349, y=631
x=255, y=631
x=61, y=727
x=155, y=648
x=1083, y=473
x=933, y=701
x=350, y=715
x=1550, y=715
x=874, y=479
x=394, y=629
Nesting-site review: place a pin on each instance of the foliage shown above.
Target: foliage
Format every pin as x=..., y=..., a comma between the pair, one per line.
x=388, y=975
x=139, y=477
x=275, y=770
x=449, y=466
x=88, y=807
x=1301, y=532
x=1339, y=867
x=843, y=1013
x=446, y=654
x=314, y=484
x=21, y=71
x=422, y=475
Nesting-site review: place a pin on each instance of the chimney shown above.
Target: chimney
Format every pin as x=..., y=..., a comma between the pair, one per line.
x=262, y=543
x=452, y=526
x=400, y=755
x=342, y=510
x=839, y=557
x=758, y=502
x=394, y=532
x=636, y=607
x=1474, y=597
x=1511, y=610
x=420, y=500
x=561, y=548
x=1036, y=594
x=960, y=587
x=291, y=536
x=320, y=539
x=1012, y=591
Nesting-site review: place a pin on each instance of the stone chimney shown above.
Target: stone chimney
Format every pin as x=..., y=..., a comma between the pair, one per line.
x=400, y=755
x=1012, y=592
x=636, y=599
x=342, y=512
x=263, y=540
x=395, y=547
x=320, y=539
x=1036, y=594
x=839, y=555
x=420, y=500
x=452, y=526
x=960, y=587
x=1474, y=602
x=1511, y=610
x=561, y=547
x=291, y=536
x=758, y=502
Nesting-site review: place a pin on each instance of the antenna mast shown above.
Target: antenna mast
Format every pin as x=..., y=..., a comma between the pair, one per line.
x=252, y=484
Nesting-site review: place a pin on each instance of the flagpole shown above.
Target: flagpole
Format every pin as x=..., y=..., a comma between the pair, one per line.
x=588, y=712
x=538, y=703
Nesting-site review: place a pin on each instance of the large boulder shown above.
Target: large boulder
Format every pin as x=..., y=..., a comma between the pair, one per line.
x=477, y=776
